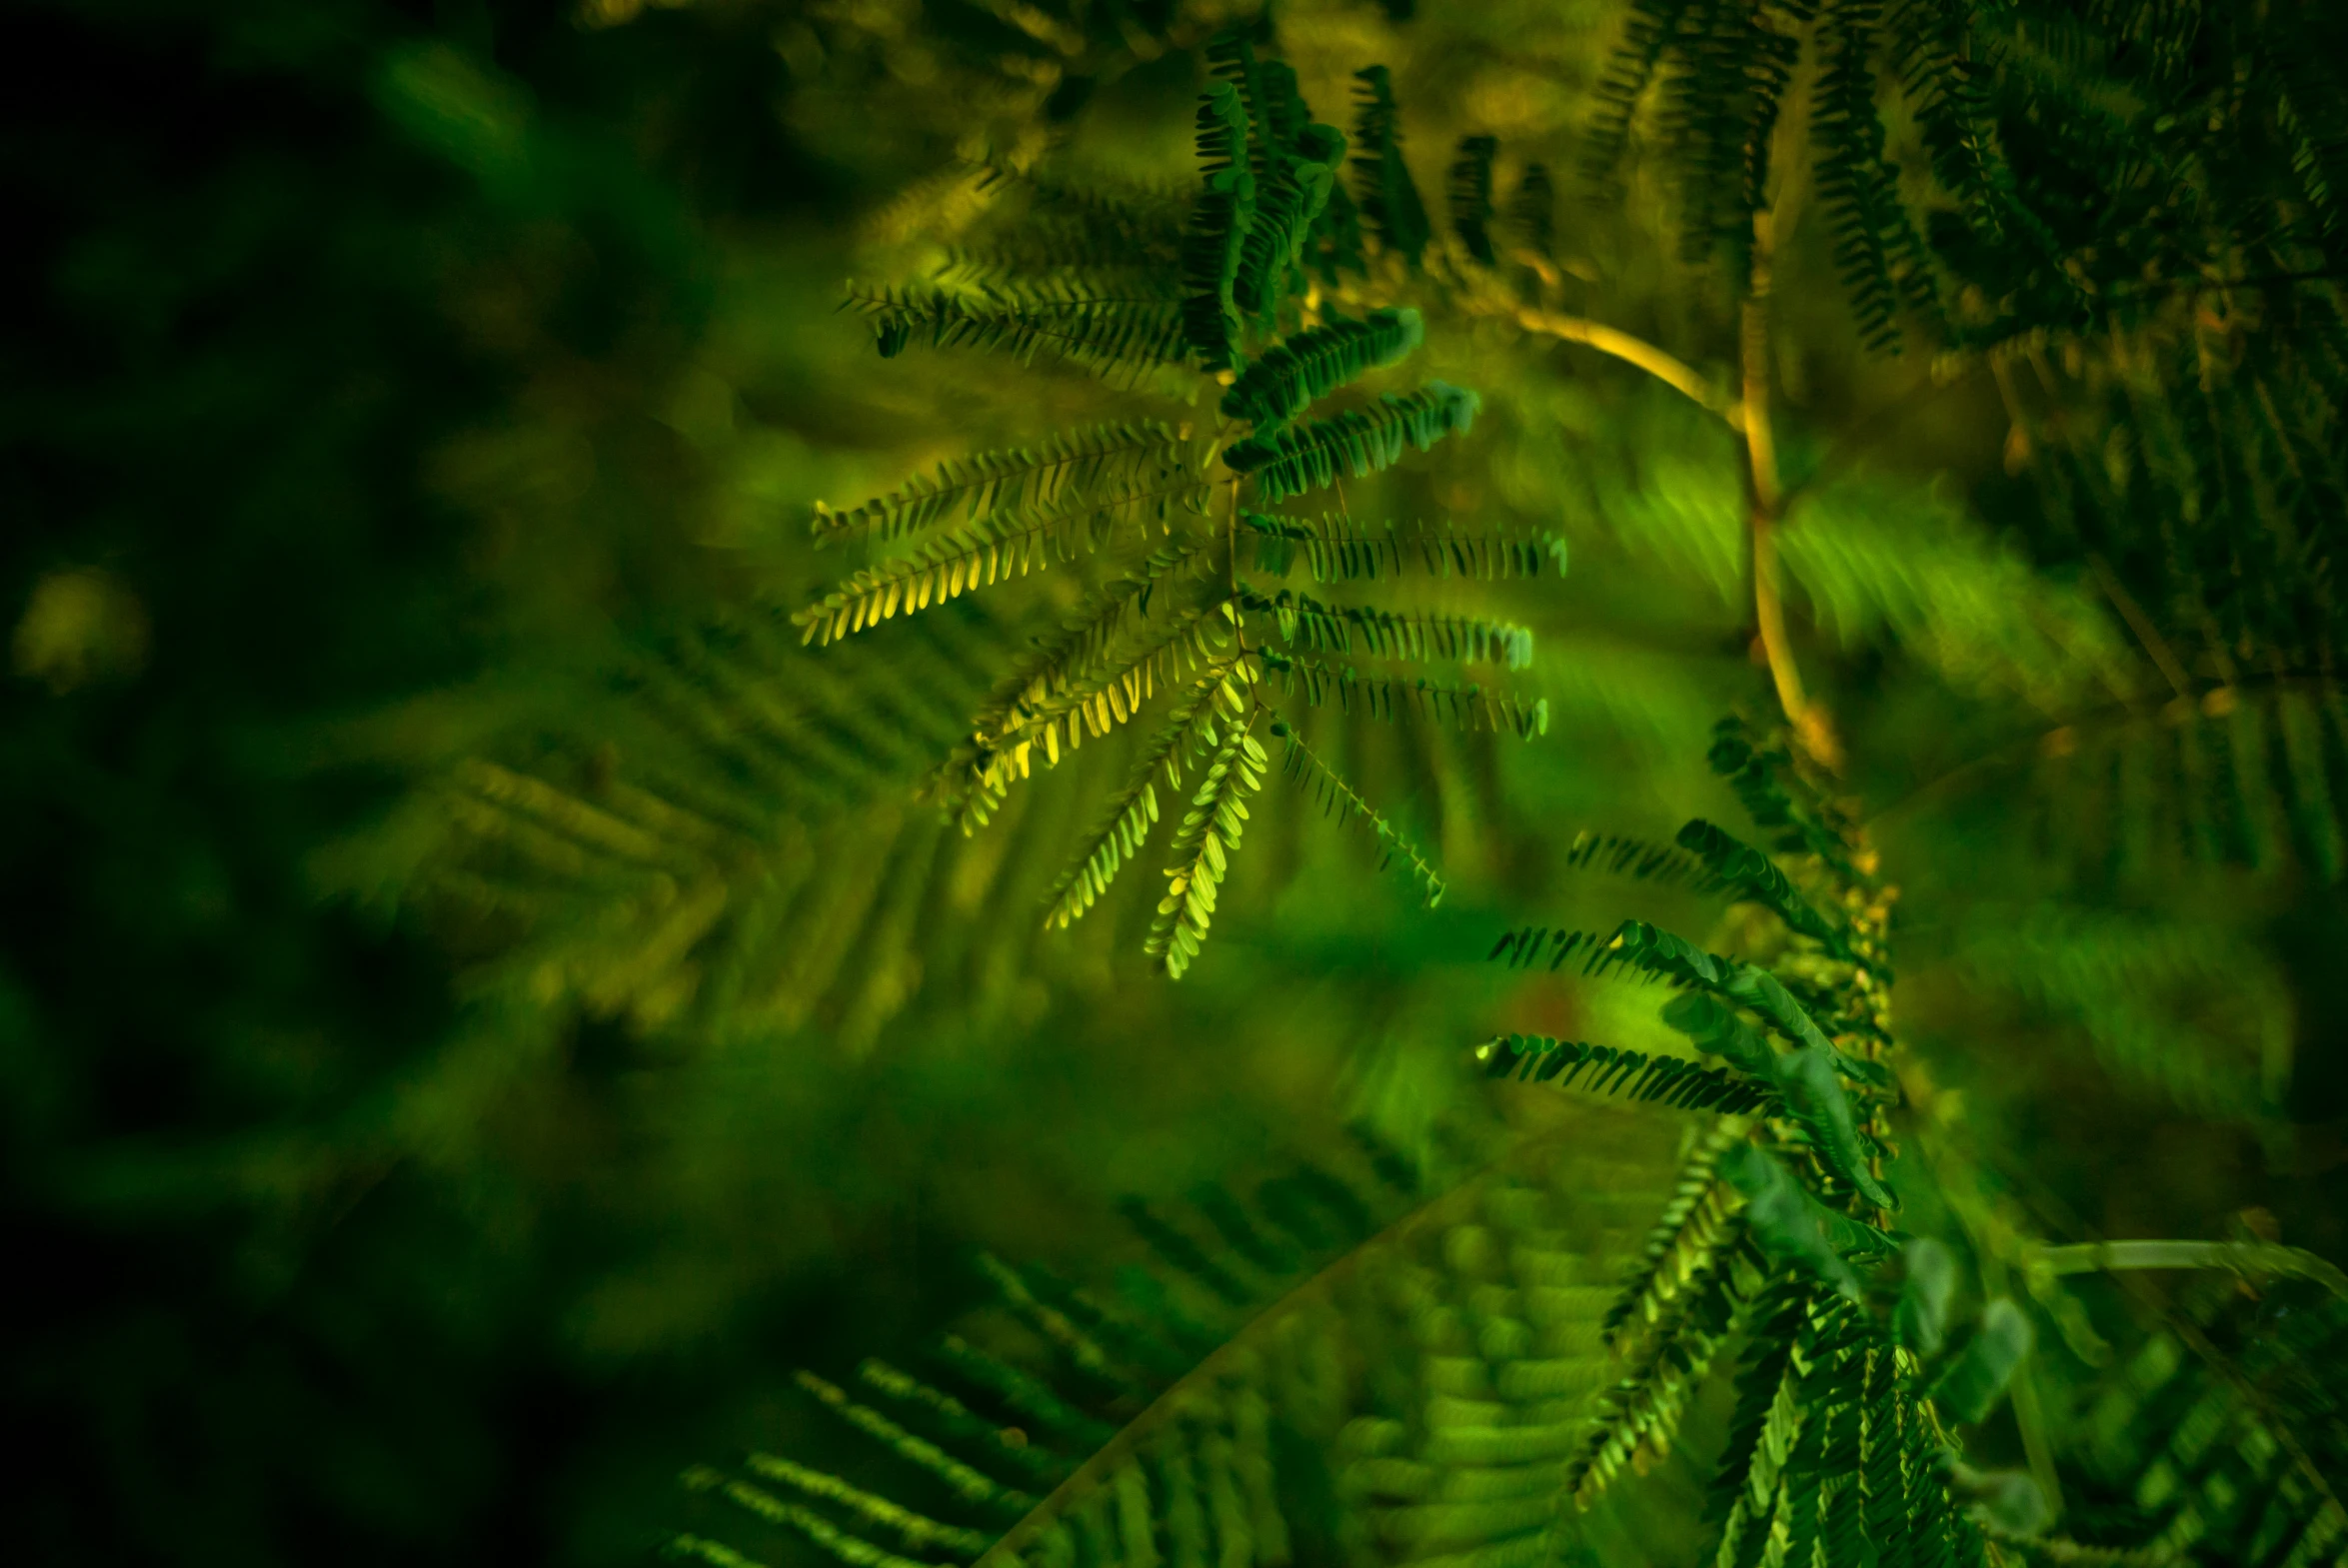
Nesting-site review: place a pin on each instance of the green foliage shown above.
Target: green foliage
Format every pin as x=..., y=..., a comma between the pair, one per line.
x=1734, y=864
x=1297, y=459
x=1301, y=370
x=1203, y=844
x=1110, y=334
x=1022, y=481
x=1215, y=242
x=1979, y=1372
x=555, y=993
x=1681, y=1084
x=1308, y=623
x=2219, y=1438
x=1184, y=622
x=1218, y=697
x=1387, y=197
x=1337, y=798
x=1337, y=548
x=1921, y=1320
x=2126, y=984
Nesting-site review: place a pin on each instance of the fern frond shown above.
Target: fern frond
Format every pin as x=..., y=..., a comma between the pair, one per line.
x=1767, y=1413
x=1052, y=268
x=918, y=1531
x=1758, y=770
x=1114, y=261
x=828, y=1538
x=2219, y=1438
x=1266, y=91
x=1305, y=623
x=1094, y=703
x=1141, y=456
x=1305, y=457
x=1649, y=30
x=1287, y=204
x=1307, y=366
x=1217, y=234
x=1022, y=1393
x=1471, y=196
x=1218, y=696
x=1339, y=550
x=955, y=1421
x=1121, y=338
x=1469, y=707
x=1663, y=1369
x=994, y=549
x=1384, y=189
x=1686, y=1240
x=1340, y=799
x=1675, y=1081
x=1291, y=160
x=1523, y=948
x=1637, y=858
x=1876, y=246
x=1738, y=865
x=1808, y=1080
x=1097, y=642
x=966, y=1482
x=1203, y=845
x=1484, y=1302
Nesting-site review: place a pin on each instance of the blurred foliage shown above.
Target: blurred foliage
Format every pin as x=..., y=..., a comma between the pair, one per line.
x=483, y=1005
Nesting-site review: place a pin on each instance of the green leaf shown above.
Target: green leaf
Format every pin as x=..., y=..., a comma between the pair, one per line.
x=1071, y=465
x=1294, y=458
x=1787, y=1222
x=1970, y=1384
x=996, y=549
x=1301, y=369
x=1287, y=201
x=1217, y=234
x=1672, y=1081
x=1719, y=1030
x=1203, y=847
x=1122, y=338
x=1919, y=1320
x=1219, y=697
x=1303, y=622
x=1339, y=550
x=1737, y=865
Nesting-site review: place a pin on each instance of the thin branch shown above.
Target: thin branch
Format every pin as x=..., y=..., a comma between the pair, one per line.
x=2098, y=1257
x=1763, y=498
x=2155, y=645
x=2212, y=702
x=1673, y=371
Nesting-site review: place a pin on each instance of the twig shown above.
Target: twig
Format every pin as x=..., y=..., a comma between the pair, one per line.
x=1763, y=498
x=1666, y=368
x=2096, y=1257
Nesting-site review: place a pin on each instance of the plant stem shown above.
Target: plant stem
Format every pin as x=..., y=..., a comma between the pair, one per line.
x=1764, y=495
x=1673, y=371
x=2244, y=1257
